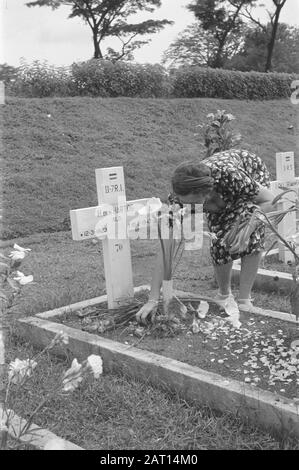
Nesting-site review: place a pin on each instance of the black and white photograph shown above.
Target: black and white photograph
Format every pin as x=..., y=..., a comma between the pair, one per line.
x=149, y=209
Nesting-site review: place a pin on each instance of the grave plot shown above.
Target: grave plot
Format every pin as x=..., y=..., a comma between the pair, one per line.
x=259, y=352
x=209, y=361
x=220, y=387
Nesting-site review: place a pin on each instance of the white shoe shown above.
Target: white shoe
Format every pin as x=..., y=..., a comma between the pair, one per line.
x=228, y=303
x=230, y=307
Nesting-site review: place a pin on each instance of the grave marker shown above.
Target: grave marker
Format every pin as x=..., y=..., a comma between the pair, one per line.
x=285, y=174
x=102, y=221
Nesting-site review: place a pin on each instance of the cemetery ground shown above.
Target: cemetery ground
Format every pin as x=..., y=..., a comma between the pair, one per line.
x=52, y=147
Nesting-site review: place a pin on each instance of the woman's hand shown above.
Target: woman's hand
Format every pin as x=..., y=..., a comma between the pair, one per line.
x=264, y=199
x=148, y=309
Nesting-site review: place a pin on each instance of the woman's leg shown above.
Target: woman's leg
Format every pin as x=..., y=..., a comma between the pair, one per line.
x=223, y=274
x=249, y=268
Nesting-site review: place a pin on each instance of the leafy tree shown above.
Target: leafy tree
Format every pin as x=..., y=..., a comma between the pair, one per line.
x=270, y=29
x=110, y=18
x=221, y=19
x=195, y=46
x=253, y=55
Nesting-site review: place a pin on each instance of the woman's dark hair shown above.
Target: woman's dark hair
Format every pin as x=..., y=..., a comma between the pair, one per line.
x=192, y=177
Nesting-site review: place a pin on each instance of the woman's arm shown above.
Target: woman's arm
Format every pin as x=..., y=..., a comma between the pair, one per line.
x=157, y=277
x=264, y=199
x=152, y=303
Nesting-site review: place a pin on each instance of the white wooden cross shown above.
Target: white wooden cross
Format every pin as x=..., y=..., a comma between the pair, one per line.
x=92, y=222
x=285, y=175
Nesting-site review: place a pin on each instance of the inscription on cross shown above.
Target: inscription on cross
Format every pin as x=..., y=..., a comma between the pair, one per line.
x=109, y=221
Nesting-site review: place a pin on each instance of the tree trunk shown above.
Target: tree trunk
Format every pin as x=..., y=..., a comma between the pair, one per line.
x=217, y=62
x=271, y=44
x=97, y=51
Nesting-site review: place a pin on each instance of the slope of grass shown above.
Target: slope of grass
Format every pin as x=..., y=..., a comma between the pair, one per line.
x=53, y=146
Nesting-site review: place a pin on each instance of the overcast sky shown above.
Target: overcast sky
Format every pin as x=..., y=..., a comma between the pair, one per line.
x=43, y=34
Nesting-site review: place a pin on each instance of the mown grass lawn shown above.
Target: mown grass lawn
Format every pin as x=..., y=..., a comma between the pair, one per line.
x=52, y=147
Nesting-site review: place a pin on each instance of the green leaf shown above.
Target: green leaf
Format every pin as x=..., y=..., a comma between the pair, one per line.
x=271, y=247
x=279, y=196
x=13, y=284
x=3, y=296
x=4, y=265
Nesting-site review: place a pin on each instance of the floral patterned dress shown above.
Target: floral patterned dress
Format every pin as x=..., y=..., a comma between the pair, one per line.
x=236, y=174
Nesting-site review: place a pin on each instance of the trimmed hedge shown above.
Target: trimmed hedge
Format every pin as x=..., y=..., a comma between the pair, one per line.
x=106, y=79
x=197, y=82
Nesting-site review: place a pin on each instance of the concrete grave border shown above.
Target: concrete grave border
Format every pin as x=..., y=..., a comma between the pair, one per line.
x=265, y=279
x=272, y=412
x=38, y=437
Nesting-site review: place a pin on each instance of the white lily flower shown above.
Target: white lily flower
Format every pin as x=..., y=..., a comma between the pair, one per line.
x=152, y=206
x=72, y=377
x=96, y=364
x=19, y=248
x=22, y=279
x=15, y=255
x=26, y=280
x=19, y=369
x=60, y=339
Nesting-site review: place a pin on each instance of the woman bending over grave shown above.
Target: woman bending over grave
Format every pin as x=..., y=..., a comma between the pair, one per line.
x=229, y=184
